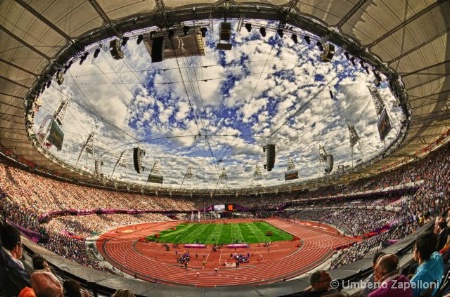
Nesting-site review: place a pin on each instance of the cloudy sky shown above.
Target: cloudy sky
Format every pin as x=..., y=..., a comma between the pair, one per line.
x=214, y=113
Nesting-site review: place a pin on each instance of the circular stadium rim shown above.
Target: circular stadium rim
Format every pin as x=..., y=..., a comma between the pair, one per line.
x=408, y=41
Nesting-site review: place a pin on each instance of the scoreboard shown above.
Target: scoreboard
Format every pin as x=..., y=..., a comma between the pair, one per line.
x=290, y=175
x=224, y=207
x=384, y=125
x=152, y=178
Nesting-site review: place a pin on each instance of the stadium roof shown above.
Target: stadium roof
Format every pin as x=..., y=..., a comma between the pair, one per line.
x=407, y=42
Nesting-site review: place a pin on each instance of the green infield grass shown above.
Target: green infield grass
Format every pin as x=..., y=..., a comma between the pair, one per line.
x=251, y=232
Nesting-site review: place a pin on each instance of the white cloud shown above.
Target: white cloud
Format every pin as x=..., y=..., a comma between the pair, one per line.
x=219, y=110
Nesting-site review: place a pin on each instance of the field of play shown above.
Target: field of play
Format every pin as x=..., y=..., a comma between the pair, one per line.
x=312, y=244
x=211, y=233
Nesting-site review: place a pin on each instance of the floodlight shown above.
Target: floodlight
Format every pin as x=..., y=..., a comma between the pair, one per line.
x=377, y=78
x=280, y=32
x=139, y=39
x=68, y=66
x=204, y=30
x=262, y=31
x=320, y=46
x=307, y=39
x=96, y=53
x=84, y=57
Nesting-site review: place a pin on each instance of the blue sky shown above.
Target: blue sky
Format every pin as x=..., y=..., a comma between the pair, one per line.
x=218, y=110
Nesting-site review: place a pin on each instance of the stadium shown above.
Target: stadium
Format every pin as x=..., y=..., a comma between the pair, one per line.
x=229, y=147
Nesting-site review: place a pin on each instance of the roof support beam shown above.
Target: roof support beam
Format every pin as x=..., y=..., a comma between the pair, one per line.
x=14, y=82
x=351, y=12
x=292, y=4
x=18, y=67
x=12, y=140
x=432, y=125
x=426, y=82
x=427, y=97
x=11, y=117
x=44, y=20
x=419, y=46
x=424, y=69
x=405, y=23
x=100, y=11
x=15, y=130
x=24, y=43
x=440, y=116
x=105, y=17
x=162, y=8
x=10, y=95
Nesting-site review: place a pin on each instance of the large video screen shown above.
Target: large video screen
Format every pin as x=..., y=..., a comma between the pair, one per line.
x=290, y=175
x=155, y=179
x=384, y=125
x=56, y=136
x=219, y=207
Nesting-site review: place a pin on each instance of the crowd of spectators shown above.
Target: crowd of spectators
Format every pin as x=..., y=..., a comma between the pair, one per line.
x=351, y=217
x=71, y=248
x=359, y=250
x=92, y=225
x=353, y=221
x=411, y=210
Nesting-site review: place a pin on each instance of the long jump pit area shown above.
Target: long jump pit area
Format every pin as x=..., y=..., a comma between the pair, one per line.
x=313, y=244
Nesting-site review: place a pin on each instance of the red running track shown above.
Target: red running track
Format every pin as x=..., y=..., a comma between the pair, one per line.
x=287, y=259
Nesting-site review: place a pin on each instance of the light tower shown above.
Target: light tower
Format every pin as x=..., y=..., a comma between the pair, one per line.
x=326, y=158
x=88, y=147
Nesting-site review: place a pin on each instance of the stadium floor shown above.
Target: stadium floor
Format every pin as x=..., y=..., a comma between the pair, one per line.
x=281, y=260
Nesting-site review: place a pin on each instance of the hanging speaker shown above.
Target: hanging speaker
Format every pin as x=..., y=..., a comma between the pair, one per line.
x=59, y=77
x=137, y=159
x=157, y=49
x=225, y=31
x=114, y=49
x=328, y=53
x=270, y=156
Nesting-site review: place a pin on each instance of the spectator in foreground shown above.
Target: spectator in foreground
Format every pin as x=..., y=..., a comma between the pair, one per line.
x=370, y=281
x=39, y=262
x=431, y=266
x=320, y=281
x=389, y=281
x=27, y=292
x=45, y=284
x=72, y=288
x=123, y=293
x=442, y=231
x=13, y=276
